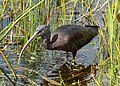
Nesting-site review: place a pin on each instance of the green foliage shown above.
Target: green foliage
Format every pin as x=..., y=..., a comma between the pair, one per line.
x=24, y=16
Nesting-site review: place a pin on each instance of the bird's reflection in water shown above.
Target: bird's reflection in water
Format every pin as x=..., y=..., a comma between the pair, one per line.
x=73, y=74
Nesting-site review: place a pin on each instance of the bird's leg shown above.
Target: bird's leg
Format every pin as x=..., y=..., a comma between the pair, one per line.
x=67, y=56
x=74, y=54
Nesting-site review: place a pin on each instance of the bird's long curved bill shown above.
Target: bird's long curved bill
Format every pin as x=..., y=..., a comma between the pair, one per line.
x=25, y=46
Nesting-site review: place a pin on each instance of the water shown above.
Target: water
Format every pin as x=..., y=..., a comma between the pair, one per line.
x=40, y=62
x=43, y=63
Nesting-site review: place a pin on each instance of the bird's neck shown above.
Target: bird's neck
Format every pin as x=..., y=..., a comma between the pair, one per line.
x=46, y=41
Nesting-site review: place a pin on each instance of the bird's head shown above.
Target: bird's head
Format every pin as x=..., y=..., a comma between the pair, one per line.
x=42, y=30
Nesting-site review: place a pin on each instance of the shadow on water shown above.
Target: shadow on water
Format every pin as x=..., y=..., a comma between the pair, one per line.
x=72, y=74
x=51, y=65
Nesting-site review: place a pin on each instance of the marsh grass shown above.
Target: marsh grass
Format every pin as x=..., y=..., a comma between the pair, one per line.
x=110, y=47
x=24, y=16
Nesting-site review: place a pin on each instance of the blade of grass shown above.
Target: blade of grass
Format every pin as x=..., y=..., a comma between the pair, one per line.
x=63, y=12
x=4, y=8
x=110, y=36
x=19, y=18
x=7, y=61
x=25, y=24
x=51, y=81
x=7, y=76
x=72, y=11
x=61, y=80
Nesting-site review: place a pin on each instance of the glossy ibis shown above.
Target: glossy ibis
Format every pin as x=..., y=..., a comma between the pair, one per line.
x=69, y=38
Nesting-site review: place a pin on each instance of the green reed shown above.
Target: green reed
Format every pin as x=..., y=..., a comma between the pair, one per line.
x=9, y=27
x=34, y=13
x=10, y=66
x=110, y=66
x=13, y=84
x=18, y=20
x=63, y=11
x=23, y=7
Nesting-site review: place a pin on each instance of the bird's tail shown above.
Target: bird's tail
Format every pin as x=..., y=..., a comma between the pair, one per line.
x=92, y=26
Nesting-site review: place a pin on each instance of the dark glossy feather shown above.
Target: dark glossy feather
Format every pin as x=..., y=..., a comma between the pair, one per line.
x=69, y=38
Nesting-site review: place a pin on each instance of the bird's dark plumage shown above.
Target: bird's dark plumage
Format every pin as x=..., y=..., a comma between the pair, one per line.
x=69, y=38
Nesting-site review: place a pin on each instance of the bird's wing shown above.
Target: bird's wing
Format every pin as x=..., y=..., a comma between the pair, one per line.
x=58, y=41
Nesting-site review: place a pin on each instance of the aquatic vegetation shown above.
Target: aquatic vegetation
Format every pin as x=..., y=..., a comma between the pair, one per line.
x=19, y=20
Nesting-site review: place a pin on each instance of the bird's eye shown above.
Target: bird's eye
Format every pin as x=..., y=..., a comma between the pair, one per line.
x=46, y=28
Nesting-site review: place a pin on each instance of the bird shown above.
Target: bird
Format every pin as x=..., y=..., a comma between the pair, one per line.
x=68, y=38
